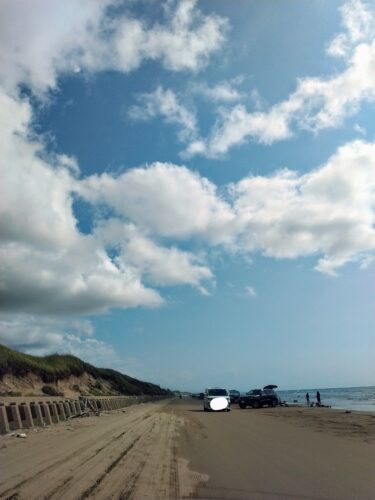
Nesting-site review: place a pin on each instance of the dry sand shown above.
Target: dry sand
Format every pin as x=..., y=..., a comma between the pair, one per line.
x=175, y=450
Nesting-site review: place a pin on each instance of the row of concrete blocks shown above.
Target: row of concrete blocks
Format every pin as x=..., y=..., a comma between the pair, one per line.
x=27, y=415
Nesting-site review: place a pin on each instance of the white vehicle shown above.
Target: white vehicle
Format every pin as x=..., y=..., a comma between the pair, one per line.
x=216, y=399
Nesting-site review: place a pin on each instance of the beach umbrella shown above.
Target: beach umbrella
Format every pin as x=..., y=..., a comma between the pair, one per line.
x=271, y=386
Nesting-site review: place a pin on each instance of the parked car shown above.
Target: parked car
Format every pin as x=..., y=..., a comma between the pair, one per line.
x=213, y=393
x=234, y=395
x=256, y=398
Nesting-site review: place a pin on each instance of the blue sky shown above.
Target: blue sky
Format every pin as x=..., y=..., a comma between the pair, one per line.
x=188, y=188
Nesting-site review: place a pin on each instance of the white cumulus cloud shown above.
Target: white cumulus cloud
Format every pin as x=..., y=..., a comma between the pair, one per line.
x=41, y=40
x=47, y=264
x=316, y=104
x=164, y=199
x=164, y=103
x=329, y=211
x=159, y=265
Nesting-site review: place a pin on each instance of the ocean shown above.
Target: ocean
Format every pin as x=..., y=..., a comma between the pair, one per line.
x=347, y=398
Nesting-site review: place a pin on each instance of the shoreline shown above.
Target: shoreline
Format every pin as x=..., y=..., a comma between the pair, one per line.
x=363, y=409
x=359, y=398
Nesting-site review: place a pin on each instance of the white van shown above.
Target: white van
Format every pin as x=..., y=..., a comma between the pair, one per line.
x=213, y=393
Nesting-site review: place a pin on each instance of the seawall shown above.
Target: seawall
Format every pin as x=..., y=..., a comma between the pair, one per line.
x=26, y=413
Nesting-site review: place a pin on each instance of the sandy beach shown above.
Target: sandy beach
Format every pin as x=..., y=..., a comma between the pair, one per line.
x=175, y=450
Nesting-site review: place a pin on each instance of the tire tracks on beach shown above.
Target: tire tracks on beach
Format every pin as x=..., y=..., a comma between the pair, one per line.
x=87, y=493
x=127, y=456
x=42, y=470
x=73, y=465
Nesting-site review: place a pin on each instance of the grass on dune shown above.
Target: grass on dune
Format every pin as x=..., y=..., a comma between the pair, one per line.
x=59, y=366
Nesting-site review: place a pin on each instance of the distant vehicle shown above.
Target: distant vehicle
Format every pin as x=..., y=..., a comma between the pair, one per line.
x=213, y=393
x=256, y=398
x=198, y=395
x=234, y=395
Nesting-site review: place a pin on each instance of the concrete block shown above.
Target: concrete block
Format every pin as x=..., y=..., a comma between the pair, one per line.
x=78, y=407
x=16, y=418
x=61, y=410
x=36, y=414
x=68, y=413
x=46, y=413
x=4, y=425
x=53, y=412
x=25, y=414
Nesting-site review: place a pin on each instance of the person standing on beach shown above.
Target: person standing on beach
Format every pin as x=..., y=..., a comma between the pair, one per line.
x=318, y=398
x=307, y=399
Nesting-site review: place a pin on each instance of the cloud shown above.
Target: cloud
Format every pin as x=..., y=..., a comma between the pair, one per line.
x=224, y=91
x=316, y=104
x=251, y=292
x=49, y=267
x=164, y=103
x=77, y=280
x=328, y=211
x=37, y=195
x=184, y=43
x=42, y=40
x=235, y=125
x=359, y=24
x=40, y=336
x=360, y=130
x=166, y=200
x=47, y=264
x=159, y=265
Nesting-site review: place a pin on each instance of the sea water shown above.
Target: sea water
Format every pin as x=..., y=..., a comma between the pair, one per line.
x=347, y=398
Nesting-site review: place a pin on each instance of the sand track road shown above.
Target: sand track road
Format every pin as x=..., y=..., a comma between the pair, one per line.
x=121, y=455
x=173, y=449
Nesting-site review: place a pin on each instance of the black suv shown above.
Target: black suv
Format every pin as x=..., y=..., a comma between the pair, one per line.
x=234, y=395
x=258, y=398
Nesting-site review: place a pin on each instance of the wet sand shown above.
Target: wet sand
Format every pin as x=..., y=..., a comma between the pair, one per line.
x=175, y=450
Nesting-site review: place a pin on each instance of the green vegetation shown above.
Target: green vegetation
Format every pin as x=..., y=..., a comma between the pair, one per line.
x=11, y=394
x=60, y=366
x=50, y=391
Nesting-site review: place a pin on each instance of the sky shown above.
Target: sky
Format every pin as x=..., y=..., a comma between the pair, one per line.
x=187, y=188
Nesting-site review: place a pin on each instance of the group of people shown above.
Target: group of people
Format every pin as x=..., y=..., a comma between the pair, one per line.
x=318, y=400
